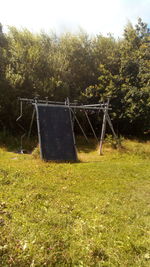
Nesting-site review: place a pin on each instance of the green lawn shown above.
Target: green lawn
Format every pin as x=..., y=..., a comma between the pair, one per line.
x=92, y=213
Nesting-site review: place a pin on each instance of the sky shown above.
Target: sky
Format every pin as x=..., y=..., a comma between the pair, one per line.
x=59, y=16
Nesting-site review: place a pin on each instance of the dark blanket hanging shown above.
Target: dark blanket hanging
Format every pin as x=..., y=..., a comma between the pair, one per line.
x=55, y=133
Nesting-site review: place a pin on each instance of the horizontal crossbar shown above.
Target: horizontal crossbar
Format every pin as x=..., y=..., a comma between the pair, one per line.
x=65, y=104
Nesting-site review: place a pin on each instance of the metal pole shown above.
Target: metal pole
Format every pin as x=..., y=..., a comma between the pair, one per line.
x=102, y=132
x=74, y=112
x=33, y=114
x=74, y=140
x=20, y=112
x=67, y=102
x=21, y=148
x=91, y=125
x=61, y=104
x=80, y=126
x=111, y=126
x=94, y=105
x=38, y=128
x=103, y=127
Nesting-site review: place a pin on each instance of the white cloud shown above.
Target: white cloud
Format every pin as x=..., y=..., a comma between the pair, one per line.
x=95, y=16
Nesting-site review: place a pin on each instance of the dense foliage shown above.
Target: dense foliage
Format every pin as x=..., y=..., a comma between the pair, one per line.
x=80, y=67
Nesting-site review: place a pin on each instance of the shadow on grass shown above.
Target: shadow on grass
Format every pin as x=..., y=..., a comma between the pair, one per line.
x=84, y=146
x=13, y=143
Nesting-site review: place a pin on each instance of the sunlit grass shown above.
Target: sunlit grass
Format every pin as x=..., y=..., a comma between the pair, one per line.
x=92, y=213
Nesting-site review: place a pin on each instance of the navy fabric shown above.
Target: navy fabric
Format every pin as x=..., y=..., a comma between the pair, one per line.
x=55, y=133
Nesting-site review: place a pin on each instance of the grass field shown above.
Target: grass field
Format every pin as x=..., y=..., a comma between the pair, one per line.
x=92, y=213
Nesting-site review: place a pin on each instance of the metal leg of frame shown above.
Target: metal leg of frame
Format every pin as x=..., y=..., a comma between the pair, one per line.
x=75, y=117
x=103, y=131
x=91, y=125
x=111, y=126
x=31, y=123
